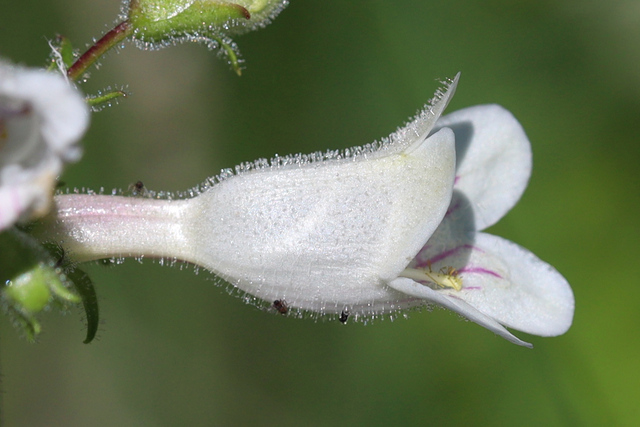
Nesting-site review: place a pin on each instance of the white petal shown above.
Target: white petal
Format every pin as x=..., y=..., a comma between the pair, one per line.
x=493, y=160
x=62, y=112
x=409, y=287
x=422, y=124
x=327, y=235
x=507, y=282
x=41, y=119
x=13, y=202
x=501, y=279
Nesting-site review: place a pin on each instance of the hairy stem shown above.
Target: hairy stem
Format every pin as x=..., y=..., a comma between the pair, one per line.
x=109, y=40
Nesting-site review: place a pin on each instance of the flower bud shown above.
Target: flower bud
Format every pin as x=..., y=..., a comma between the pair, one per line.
x=29, y=281
x=160, y=23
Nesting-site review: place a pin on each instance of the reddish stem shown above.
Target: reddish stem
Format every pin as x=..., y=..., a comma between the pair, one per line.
x=113, y=37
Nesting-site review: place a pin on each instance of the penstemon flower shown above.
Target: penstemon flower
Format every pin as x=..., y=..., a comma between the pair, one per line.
x=344, y=233
x=42, y=117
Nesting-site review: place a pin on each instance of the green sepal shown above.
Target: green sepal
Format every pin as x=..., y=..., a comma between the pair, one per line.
x=234, y=59
x=27, y=324
x=62, y=50
x=66, y=51
x=83, y=284
x=96, y=102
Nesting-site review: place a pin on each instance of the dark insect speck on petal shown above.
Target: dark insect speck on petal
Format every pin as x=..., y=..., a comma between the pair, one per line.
x=344, y=316
x=281, y=306
x=137, y=189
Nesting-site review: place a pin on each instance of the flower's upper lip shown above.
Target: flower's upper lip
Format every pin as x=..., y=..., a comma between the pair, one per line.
x=494, y=170
x=349, y=225
x=325, y=235
x=422, y=125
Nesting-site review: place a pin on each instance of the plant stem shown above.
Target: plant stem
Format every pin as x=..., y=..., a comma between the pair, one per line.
x=109, y=40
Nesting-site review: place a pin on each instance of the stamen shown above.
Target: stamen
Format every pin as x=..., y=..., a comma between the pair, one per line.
x=446, y=278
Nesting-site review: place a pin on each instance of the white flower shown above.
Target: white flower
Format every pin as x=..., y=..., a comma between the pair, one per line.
x=487, y=279
x=41, y=118
x=345, y=233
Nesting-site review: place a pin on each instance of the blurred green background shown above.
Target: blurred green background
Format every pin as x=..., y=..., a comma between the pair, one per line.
x=175, y=349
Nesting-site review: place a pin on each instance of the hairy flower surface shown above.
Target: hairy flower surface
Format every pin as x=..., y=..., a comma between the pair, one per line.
x=360, y=233
x=41, y=118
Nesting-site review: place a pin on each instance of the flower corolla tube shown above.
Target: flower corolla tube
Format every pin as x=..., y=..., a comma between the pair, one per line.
x=354, y=234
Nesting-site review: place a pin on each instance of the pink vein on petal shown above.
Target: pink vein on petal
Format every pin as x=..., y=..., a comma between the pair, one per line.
x=423, y=263
x=441, y=256
x=479, y=270
x=453, y=251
